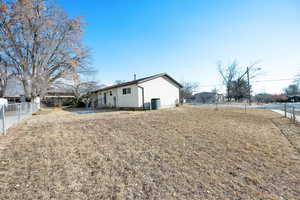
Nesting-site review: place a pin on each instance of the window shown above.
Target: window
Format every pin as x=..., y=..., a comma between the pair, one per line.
x=126, y=91
x=110, y=93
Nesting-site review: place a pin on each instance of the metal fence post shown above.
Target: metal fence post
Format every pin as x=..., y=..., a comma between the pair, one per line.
x=3, y=120
x=285, y=110
x=293, y=115
x=19, y=112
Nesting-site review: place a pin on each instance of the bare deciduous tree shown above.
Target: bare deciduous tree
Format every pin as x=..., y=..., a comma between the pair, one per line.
x=292, y=89
x=188, y=89
x=6, y=73
x=239, y=89
x=40, y=42
x=297, y=80
x=238, y=84
x=228, y=73
x=119, y=82
x=78, y=86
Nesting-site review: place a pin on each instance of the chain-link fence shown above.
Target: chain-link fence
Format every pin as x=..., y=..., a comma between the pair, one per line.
x=14, y=113
x=291, y=112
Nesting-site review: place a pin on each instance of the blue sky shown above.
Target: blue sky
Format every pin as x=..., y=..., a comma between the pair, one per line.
x=186, y=38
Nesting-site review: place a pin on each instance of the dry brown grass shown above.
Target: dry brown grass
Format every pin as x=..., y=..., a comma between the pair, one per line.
x=290, y=130
x=183, y=153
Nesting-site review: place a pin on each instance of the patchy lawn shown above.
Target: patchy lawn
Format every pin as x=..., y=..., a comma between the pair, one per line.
x=183, y=153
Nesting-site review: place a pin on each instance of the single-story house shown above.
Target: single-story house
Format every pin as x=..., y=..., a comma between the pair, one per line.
x=208, y=97
x=139, y=93
x=294, y=98
x=14, y=92
x=58, y=97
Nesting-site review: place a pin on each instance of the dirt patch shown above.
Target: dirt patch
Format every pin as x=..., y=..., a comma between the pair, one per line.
x=183, y=153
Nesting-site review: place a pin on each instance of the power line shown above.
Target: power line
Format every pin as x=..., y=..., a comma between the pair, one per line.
x=210, y=85
x=274, y=80
x=269, y=80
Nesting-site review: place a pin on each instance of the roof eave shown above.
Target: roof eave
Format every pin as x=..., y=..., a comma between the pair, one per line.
x=139, y=81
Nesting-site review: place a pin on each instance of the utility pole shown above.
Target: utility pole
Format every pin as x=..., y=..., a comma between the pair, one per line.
x=248, y=81
x=249, y=89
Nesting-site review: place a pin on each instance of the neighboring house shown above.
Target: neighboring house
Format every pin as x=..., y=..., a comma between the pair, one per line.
x=54, y=96
x=220, y=97
x=58, y=97
x=294, y=98
x=208, y=97
x=139, y=93
x=14, y=91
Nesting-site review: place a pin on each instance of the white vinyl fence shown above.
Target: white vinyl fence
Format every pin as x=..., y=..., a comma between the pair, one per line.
x=12, y=114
